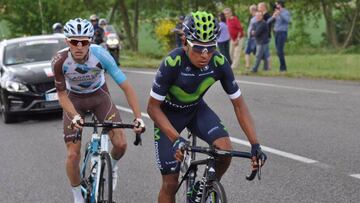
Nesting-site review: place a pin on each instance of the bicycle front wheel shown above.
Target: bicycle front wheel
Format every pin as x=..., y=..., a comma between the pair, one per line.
x=105, y=181
x=215, y=194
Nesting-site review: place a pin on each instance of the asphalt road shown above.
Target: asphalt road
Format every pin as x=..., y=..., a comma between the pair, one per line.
x=308, y=128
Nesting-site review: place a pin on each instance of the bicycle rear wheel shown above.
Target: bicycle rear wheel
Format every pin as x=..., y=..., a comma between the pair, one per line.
x=105, y=184
x=215, y=194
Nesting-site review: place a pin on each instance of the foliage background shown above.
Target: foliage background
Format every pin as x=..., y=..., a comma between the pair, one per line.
x=337, y=21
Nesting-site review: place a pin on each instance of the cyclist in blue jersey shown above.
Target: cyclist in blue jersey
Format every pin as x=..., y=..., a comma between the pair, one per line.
x=80, y=84
x=176, y=101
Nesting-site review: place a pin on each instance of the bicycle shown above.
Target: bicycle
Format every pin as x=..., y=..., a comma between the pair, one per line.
x=96, y=168
x=209, y=189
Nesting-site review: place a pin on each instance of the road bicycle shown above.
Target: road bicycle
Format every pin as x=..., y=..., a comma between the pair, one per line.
x=96, y=169
x=208, y=188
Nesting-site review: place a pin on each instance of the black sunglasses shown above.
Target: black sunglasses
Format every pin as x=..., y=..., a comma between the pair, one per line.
x=75, y=42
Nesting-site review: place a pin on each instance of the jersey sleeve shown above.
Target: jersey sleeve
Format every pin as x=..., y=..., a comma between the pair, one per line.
x=228, y=81
x=57, y=68
x=109, y=64
x=165, y=76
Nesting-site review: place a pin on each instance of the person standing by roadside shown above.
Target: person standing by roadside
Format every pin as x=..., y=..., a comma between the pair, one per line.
x=263, y=8
x=251, y=44
x=98, y=31
x=282, y=19
x=236, y=37
x=224, y=39
x=178, y=31
x=260, y=32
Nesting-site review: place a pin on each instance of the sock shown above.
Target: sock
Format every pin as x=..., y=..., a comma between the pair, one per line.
x=78, y=198
x=113, y=162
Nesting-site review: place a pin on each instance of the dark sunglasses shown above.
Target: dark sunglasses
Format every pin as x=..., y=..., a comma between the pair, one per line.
x=75, y=42
x=201, y=48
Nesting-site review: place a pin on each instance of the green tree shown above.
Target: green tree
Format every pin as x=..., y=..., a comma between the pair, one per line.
x=36, y=17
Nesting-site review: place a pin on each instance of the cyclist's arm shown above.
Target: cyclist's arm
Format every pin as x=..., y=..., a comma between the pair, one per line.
x=160, y=119
x=165, y=76
x=119, y=77
x=131, y=98
x=60, y=84
x=244, y=118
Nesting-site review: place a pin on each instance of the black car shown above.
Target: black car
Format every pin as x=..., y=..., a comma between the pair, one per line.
x=26, y=77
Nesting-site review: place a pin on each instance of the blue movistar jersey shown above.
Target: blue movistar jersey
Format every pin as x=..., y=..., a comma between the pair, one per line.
x=87, y=77
x=181, y=85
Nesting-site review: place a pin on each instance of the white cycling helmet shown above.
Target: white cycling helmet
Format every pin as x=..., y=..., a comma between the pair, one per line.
x=78, y=28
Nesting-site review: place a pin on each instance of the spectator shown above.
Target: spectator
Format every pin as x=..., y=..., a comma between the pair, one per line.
x=224, y=39
x=57, y=28
x=178, y=31
x=251, y=44
x=103, y=23
x=263, y=8
x=282, y=19
x=98, y=31
x=236, y=37
x=260, y=32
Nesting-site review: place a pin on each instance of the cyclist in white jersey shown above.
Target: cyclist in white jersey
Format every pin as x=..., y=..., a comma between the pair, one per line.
x=81, y=86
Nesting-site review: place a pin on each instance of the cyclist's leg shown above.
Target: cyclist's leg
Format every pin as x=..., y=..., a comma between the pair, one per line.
x=72, y=148
x=105, y=109
x=165, y=156
x=207, y=126
x=167, y=165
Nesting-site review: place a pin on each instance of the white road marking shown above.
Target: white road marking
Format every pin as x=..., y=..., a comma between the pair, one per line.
x=130, y=111
x=355, y=176
x=286, y=87
x=254, y=83
x=266, y=149
x=246, y=143
x=277, y=152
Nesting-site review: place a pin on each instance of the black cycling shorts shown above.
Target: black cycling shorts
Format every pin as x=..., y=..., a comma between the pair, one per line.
x=201, y=121
x=98, y=102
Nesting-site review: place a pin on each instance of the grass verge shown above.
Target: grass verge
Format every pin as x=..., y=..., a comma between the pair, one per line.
x=327, y=66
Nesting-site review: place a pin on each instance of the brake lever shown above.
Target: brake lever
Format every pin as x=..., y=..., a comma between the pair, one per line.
x=138, y=140
x=252, y=175
x=261, y=161
x=77, y=136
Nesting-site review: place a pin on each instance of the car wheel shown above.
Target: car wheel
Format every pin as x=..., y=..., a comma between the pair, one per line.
x=4, y=108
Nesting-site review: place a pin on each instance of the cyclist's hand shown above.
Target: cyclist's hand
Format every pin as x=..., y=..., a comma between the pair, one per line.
x=139, y=125
x=258, y=156
x=178, y=154
x=76, y=121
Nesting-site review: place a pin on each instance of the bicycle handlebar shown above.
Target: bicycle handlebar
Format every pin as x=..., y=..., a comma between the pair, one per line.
x=227, y=153
x=114, y=125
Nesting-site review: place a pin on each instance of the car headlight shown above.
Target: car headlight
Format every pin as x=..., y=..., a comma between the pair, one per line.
x=112, y=41
x=12, y=86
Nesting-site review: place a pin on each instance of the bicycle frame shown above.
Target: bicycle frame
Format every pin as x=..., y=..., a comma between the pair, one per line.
x=97, y=150
x=189, y=165
x=97, y=145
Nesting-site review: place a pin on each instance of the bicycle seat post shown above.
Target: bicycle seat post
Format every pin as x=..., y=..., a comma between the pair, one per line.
x=93, y=118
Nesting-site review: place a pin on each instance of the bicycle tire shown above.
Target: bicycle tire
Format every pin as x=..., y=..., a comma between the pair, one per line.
x=215, y=192
x=106, y=179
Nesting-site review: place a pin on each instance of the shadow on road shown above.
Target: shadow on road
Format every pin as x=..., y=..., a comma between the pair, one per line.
x=40, y=117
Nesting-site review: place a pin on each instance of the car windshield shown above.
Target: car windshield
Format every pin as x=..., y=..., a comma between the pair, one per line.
x=32, y=51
